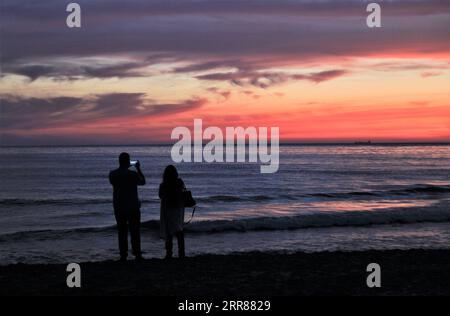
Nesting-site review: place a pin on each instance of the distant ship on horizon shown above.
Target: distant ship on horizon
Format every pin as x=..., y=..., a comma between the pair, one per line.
x=369, y=142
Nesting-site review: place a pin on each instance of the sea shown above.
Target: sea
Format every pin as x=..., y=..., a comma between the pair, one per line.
x=56, y=202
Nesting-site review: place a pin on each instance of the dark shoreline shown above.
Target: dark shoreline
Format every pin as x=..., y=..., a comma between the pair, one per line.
x=403, y=272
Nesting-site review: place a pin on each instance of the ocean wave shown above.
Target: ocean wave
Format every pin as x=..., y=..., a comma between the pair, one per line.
x=61, y=202
x=404, y=191
x=27, y=202
x=423, y=189
x=439, y=212
x=96, y=201
x=326, y=220
x=407, y=190
x=234, y=198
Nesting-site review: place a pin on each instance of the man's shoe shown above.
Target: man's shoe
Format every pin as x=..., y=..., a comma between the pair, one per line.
x=181, y=253
x=139, y=258
x=123, y=259
x=168, y=256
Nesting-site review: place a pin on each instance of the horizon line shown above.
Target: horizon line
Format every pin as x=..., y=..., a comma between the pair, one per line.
x=286, y=143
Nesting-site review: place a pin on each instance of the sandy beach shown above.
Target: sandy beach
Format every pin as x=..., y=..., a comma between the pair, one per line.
x=408, y=272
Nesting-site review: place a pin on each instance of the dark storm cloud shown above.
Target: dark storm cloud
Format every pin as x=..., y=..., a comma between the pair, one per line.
x=321, y=76
x=203, y=66
x=225, y=94
x=33, y=72
x=32, y=113
x=67, y=71
x=137, y=8
x=229, y=29
x=120, y=70
x=268, y=79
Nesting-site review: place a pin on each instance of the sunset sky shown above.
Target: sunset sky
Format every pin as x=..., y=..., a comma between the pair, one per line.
x=137, y=69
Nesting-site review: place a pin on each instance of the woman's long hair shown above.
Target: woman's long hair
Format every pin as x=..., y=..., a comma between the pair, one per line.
x=170, y=174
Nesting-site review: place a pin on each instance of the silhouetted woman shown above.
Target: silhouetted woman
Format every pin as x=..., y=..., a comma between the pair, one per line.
x=172, y=210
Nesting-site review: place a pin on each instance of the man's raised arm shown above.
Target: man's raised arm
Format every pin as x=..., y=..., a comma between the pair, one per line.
x=141, y=178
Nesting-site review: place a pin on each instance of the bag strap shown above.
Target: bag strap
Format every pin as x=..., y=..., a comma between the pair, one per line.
x=192, y=216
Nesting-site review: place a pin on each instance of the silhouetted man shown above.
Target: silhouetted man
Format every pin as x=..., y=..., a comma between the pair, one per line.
x=127, y=205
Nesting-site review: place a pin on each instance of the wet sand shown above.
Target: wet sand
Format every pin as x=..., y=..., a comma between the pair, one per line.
x=409, y=272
